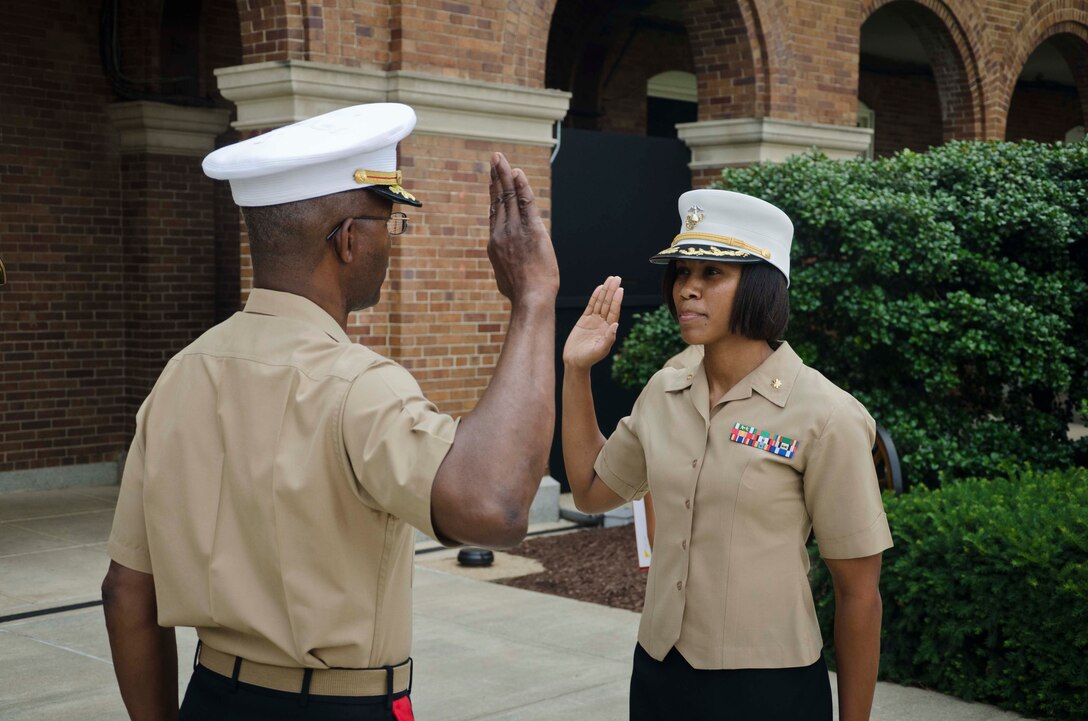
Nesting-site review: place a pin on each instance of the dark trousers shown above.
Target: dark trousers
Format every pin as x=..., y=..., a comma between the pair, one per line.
x=671, y=690
x=211, y=697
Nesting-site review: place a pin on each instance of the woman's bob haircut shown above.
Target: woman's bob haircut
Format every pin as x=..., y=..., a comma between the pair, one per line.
x=761, y=308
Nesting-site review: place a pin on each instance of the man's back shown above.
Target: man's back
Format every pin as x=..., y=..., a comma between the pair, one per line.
x=266, y=537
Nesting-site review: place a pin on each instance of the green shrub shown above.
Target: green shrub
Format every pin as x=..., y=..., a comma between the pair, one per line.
x=947, y=291
x=986, y=591
x=653, y=339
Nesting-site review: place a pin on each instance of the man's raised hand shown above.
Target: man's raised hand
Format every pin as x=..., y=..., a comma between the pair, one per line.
x=520, y=248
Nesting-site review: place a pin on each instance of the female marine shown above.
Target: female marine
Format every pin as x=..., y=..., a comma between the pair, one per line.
x=745, y=452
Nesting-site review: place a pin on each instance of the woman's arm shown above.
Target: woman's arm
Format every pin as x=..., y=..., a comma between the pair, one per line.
x=858, y=613
x=589, y=341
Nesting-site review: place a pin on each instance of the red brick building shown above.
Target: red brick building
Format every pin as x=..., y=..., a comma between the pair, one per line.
x=120, y=250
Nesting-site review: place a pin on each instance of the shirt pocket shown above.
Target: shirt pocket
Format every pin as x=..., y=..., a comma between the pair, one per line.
x=773, y=484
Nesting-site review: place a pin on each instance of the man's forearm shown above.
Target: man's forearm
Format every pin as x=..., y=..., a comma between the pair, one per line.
x=145, y=656
x=857, y=653
x=494, y=468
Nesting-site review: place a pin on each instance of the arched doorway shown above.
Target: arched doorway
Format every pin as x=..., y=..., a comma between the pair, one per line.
x=914, y=80
x=1047, y=104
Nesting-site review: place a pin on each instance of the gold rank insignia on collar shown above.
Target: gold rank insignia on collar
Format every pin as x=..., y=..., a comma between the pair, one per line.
x=694, y=217
x=776, y=383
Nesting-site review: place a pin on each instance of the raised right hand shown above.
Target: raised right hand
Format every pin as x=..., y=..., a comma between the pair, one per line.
x=520, y=248
x=595, y=332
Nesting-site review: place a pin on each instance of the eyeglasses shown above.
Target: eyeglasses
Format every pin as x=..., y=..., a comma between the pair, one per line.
x=396, y=223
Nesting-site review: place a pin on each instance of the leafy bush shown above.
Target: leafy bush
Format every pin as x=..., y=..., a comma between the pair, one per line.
x=653, y=339
x=947, y=291
x=984, y=592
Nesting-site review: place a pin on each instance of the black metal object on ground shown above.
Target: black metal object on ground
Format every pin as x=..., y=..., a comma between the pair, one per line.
x=475, y=557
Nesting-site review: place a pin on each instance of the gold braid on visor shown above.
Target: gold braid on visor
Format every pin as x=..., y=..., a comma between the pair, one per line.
x=390, y=178
x=725, y=239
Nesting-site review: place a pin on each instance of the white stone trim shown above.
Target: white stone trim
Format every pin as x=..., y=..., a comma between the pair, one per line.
x=149, y=127
x=745, y=141
x=673, y=85
x=275, y=93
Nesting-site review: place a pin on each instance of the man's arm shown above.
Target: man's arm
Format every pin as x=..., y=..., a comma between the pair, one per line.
x=145, y=655
x=485, y=485
x=858, y=612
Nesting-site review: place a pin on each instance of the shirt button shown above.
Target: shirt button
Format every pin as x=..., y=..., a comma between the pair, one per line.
x=684, y=544
x=687, y=503
x=679, y=585
x=695, y=463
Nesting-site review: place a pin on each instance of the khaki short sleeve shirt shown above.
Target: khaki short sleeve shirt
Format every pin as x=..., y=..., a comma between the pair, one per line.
x=737, y=489
x=271, y=487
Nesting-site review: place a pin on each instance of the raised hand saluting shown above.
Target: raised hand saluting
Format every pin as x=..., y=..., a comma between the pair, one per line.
x=595, y=332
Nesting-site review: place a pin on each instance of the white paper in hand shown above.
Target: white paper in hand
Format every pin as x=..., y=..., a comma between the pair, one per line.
x=642, y=536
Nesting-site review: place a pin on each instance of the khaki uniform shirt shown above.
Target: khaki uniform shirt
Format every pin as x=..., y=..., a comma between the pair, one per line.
x=276, y=471
x=736, y=490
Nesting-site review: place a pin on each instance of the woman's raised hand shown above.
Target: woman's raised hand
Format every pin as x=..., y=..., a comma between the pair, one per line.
x=595, y=332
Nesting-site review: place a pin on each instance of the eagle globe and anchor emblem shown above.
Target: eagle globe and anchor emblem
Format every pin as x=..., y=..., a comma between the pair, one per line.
x=694, y=217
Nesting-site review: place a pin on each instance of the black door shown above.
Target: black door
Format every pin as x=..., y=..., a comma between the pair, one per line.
x=613, y=206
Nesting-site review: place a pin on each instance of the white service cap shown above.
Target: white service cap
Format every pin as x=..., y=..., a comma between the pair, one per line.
x=346, y=149
x=732, y=228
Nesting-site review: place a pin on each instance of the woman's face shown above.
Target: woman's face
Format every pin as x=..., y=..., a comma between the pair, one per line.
x=703, y=294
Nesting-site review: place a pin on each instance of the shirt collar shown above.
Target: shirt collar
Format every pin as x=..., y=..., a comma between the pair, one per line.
x=773, y=378
x=296, y=307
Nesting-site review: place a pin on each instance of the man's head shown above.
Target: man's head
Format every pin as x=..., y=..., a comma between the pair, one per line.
x=299, y=183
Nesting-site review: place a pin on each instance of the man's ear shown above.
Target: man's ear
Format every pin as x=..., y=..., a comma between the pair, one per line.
x=343, y=241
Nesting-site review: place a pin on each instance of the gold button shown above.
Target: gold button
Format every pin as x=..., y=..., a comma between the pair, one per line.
x=679, y=585
x=684, y=544
x=360, y=176
x=687, y=503
x=690, y=376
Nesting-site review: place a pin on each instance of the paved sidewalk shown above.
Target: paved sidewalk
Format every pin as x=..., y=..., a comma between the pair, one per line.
x=483, y=651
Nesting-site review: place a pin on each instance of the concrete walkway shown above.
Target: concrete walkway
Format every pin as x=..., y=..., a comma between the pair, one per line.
x=483, y=651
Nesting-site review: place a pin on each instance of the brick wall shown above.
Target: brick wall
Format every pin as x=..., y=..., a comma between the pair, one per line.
x=61, y=315
x=907, y=108
x=111, y=257
x=623, y=96
x=440, y=315
x=169, y=261
x=1043, y=113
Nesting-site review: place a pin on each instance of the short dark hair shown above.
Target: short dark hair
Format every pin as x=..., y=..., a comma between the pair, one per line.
x=761, y=308
x=289, y=236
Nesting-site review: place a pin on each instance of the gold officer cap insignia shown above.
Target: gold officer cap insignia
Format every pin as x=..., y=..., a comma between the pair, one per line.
x=694, y=217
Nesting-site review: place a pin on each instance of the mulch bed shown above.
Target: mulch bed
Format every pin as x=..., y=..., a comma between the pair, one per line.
x=598, y=565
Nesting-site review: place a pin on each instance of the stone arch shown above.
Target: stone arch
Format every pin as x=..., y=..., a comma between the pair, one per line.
x=1065, y=22
x=731, y=59
x=955, y=50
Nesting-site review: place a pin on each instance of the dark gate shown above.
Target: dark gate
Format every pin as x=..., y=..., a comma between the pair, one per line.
x=613, y=206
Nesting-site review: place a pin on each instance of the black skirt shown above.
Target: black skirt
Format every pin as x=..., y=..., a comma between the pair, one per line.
x=671, y=690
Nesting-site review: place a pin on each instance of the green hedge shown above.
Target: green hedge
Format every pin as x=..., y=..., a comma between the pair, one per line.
x=946, y=290
x=986, y=591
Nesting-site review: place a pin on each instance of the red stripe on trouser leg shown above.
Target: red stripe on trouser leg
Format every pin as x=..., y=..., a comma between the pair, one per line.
x=402, y=709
